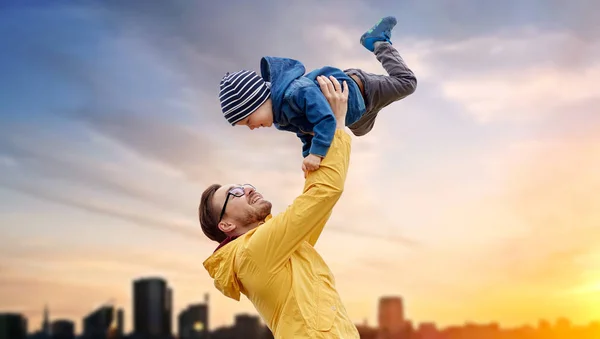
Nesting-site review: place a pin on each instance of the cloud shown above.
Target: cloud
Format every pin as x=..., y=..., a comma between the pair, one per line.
x=183, y=41
x=523, y=95
x=178, y=146
x=520, y=74
x=38, y=154
x=102, y=208
x=50, y=164
x=505, y=76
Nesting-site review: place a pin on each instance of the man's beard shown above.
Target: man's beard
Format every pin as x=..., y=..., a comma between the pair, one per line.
x=259, y=212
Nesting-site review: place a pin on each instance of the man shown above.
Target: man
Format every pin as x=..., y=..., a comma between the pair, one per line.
x=272, y=260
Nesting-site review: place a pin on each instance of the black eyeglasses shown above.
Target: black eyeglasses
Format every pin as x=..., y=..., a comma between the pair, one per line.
x=236, y=191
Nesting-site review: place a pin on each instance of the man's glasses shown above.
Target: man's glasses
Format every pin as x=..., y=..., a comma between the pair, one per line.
x=236, y=191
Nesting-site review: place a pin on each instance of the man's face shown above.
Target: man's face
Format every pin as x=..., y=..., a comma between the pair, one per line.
x=262, y=117
x=241, y=205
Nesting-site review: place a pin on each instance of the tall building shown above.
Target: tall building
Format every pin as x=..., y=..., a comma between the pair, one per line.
x=151, y=308
x=62, y=329
x=392, y=321
x=46, y=321
x=168, y=315
x=119, y=327
x=102, y=321
x=193, y=321
x=13, y=326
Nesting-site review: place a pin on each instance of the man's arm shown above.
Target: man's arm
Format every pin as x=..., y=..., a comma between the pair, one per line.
x=273, y=242
x=311, y=101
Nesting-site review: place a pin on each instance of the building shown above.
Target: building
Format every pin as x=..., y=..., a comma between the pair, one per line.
x=391, y=309
x=119, y=330
x=13, y=326
x=193, y=321
x=44, y=331
x=391, y=318
x=245, y=327
x=102, y=321
x=46, y=322
x=427, y=330
x=152, y=308
x=168, y=313
x=248, y=327
x=62, y=329
x=365, y=331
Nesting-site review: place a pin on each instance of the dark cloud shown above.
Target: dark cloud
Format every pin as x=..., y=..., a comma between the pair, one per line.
x=104, y=109
x=40, y=156
x=173, y=144
x=144, y=220
x=138, y=117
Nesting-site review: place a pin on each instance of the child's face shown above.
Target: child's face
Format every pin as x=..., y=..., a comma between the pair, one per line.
x=262, y=117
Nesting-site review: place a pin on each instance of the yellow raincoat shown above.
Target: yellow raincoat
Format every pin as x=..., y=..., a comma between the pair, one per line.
x=276, y=266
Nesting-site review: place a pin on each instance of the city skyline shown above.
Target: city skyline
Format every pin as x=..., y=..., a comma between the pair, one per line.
x=151, y=294
x=480, y=187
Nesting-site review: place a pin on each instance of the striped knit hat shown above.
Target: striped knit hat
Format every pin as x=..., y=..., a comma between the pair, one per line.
x=241, y=93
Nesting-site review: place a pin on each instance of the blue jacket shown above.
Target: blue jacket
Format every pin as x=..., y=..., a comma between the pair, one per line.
x=300, y=107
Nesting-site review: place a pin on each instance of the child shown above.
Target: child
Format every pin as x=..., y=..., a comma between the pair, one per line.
x=287, y=98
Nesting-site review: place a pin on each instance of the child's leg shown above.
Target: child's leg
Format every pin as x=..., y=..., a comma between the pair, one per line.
x=400, y=82
x=382, y=90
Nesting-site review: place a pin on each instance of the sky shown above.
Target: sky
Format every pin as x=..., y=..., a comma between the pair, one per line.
x=477, y=198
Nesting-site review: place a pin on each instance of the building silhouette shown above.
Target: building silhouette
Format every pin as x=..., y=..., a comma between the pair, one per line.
x=168, y=313
x=245, y=327
x=13, y=326
x=62, y=329
x=102, y=321
x=44, y=331
x=193, y=321
x=391, y=318
x=427, y=330
x=46, y=321
x=152, y=308
x=248, y=326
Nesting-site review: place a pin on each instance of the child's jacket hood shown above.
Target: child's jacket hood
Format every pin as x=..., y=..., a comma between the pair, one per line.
x=280, y=72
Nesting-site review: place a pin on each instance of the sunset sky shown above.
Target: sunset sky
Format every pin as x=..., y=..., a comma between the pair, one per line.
x=477, y=198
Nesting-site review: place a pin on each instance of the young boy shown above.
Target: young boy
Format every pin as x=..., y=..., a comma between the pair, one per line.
x=289, y=99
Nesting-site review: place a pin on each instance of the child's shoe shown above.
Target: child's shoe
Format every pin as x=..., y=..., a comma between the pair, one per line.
x=382, y=31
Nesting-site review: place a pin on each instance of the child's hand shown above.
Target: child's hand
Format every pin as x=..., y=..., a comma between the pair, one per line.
x=311, y=163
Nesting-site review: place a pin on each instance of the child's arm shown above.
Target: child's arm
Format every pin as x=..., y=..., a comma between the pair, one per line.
x=311, y=162
x=305, y=138
x=312, y=102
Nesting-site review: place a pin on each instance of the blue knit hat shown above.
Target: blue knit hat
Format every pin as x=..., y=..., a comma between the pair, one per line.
x=241, y=93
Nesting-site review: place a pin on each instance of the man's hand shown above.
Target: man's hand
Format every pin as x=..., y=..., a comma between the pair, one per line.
x=336, y=96
x=311, y=163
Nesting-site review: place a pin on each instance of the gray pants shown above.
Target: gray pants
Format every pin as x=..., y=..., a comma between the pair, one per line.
x=382, y=90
